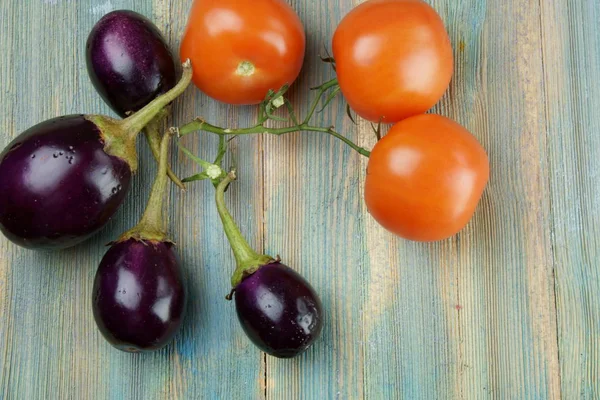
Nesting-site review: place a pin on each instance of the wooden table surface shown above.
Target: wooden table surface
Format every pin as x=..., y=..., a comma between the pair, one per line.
x=508, y=309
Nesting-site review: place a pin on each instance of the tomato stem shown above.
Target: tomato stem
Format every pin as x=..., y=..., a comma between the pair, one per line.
x=199, y=124
x=322, y=89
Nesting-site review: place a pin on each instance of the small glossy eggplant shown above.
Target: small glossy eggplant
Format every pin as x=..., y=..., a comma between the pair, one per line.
x=277, y=308
x=130, y=64
x=63, y=179
x=57, y=184
x=139, y=296
x=128, y=61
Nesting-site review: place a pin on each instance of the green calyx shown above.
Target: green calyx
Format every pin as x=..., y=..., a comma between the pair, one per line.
x=249, y=267
x=152, y=225
x=120, y=135
x=247, y=260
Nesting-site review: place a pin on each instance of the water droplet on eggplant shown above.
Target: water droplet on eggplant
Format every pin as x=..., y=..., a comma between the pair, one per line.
x=62, y=192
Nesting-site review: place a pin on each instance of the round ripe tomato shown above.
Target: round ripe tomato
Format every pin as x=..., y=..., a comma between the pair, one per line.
x=241, y=49
x=393, y=58
x=425, y=178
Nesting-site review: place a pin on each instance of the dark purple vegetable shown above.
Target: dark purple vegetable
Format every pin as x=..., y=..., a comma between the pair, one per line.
x=57, y=185
x=139, y=296
x=130, y=65
x=277, y=308
x=63, y=179
x=128, y=61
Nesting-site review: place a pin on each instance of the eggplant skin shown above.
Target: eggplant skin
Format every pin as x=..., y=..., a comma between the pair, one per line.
x=128, y=61
x=279, y=310
x=139, y=297
x=57, y=185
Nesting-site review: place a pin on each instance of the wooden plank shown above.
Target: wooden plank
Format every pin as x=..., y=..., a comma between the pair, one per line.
x=571, y=46
x=469, y=317
x=7, y=99
x=50, y=345
x=502, y=328
x=225, y=364
x=313, y=220
x=45, y=331
x=472, y=317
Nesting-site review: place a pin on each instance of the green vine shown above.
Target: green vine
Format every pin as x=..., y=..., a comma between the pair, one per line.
x=272, y=102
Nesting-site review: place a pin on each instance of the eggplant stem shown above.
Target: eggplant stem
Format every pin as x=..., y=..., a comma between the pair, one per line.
x=120, y=135
x=152, y=224
x=247, y=260
x=134, y=124
x=152, y=132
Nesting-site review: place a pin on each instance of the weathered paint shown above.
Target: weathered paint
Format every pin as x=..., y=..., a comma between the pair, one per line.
x=571, y=50
x=510, y=308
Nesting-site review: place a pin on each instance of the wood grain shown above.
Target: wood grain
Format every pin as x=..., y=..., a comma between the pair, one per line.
x=571, y=47
x=508, y=309
x=505, y=323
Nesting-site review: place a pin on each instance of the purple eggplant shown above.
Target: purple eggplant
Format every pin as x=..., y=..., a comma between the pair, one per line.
x=277, y=308
x=128, y=61
x=57, y=185
x=139, y=296
x=63, y=179
x=130, y=64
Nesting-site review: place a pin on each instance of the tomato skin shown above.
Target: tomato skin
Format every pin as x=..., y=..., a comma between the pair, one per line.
x=425, y=178
x=393, y=58
x=222, y=34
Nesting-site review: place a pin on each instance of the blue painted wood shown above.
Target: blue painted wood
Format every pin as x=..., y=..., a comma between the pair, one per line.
x=507, y=309
x=471, y=317
x=49, y=344
x=571, y=47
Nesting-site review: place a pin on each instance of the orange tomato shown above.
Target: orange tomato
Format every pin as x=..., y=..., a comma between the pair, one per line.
x=393, y=58
x=241, y=49
x=425, y=178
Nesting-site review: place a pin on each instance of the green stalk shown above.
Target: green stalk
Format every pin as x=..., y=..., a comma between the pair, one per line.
x=136, y=122
x=120, y=135
x=152, y=132
x=247, y=260
x=200, y=124
x=152, y=224
x=322, y=89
